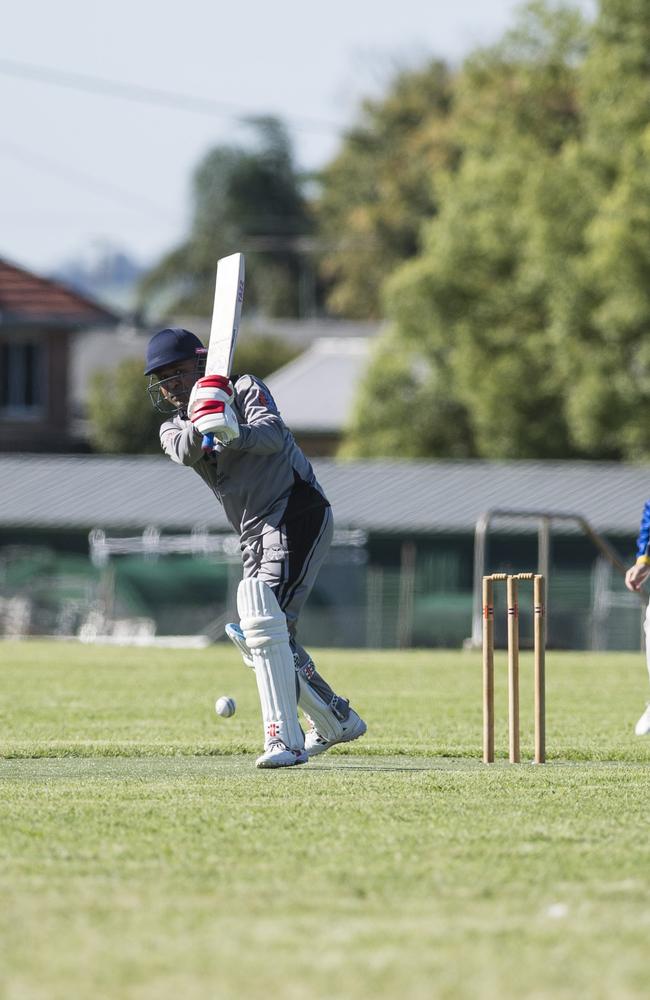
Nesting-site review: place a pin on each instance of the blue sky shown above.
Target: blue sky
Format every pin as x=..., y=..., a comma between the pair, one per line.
x=78, y=166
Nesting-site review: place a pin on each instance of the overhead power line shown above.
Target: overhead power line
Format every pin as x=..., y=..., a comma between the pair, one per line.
x=55, y=168
x=151, y=95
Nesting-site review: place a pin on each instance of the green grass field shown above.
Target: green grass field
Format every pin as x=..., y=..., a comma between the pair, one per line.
x=143, y=855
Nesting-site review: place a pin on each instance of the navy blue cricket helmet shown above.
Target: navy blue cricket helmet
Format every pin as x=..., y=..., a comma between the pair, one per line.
x=169, y=346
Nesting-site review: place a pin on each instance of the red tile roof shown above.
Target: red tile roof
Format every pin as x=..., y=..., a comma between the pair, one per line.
x=28, y=298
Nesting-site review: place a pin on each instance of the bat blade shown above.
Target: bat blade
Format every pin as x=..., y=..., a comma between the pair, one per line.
x=226, y=314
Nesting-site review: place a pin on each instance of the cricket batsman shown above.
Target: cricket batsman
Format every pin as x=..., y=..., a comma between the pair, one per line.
x=273, y=501
x=634, y=580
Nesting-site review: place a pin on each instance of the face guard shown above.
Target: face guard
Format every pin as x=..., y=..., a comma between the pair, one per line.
x=170, y=395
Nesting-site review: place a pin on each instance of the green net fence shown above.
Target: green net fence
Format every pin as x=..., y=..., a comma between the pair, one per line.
x=379, y=594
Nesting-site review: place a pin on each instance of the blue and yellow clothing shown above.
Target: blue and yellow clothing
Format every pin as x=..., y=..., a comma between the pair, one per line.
x=643, y=540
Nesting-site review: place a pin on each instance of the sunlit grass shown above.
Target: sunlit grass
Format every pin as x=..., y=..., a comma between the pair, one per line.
x=142, y=855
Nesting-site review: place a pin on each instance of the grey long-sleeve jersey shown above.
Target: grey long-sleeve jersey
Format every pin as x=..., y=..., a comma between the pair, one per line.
x=261, y=477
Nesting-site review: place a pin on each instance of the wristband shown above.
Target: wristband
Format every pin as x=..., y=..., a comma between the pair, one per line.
x=643, y=561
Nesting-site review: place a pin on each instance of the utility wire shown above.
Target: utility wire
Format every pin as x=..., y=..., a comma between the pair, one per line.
x=37, y=161
x=150, y=95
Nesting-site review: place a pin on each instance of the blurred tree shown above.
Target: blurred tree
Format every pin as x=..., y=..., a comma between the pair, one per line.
x=525, y=85
x=122, y=418
x=262, y=354
x=419, y=415
x=615, y=79
x=380, y=188
x=604, y=317
x=475, y=307
x=244, y=199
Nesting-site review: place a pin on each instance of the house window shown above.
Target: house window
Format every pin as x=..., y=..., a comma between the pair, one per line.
x=22, y=385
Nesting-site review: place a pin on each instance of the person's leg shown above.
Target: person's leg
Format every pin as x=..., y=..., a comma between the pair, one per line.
x=642, y=727
x=264, y=628
x=331, y=720
x=288, y=559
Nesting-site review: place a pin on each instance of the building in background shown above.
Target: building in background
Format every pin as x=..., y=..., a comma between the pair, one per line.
x=316, y=391
x=39, y=320
x=163, y=561
x=54, y=338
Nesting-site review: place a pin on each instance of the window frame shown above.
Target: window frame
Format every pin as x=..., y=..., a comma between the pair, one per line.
x=15, y=360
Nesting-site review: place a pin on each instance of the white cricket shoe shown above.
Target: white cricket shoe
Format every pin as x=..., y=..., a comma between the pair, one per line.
x=642, y=727
x=280, y=755
x=351, y=729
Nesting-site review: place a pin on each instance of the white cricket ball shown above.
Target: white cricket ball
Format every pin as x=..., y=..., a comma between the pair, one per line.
x=225, y=707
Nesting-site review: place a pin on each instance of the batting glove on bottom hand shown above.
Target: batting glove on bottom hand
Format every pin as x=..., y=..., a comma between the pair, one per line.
x=210, y=408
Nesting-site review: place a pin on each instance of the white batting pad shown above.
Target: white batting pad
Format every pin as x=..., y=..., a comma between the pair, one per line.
x=326, y=723
x=236, y=636
x=265, y=630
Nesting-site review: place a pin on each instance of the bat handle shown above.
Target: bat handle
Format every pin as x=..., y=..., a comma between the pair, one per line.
x=207, y=444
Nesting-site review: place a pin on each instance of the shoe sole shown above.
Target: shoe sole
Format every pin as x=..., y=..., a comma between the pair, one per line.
x=268, y=765
x=346, y=738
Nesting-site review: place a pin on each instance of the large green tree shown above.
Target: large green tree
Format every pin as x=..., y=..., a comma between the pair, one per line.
x=528, y=307
x=474, y=312
x=122, y=419
x=605, y=315
x=381, y=187
x=244, y=198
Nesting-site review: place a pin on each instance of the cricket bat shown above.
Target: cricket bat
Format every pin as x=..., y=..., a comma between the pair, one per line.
x=226, y=314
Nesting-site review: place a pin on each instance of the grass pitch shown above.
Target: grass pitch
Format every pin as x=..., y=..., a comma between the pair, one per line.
x=143, y=856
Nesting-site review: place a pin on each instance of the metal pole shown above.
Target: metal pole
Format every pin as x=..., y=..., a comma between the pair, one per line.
x=480, y=544
x=544, y=546
x=406, y=595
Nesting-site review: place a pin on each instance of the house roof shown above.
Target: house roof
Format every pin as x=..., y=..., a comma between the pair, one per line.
x=338, y=357
x=26, y=298
x=131, y=492
x=316, y=391
x=300, y=333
